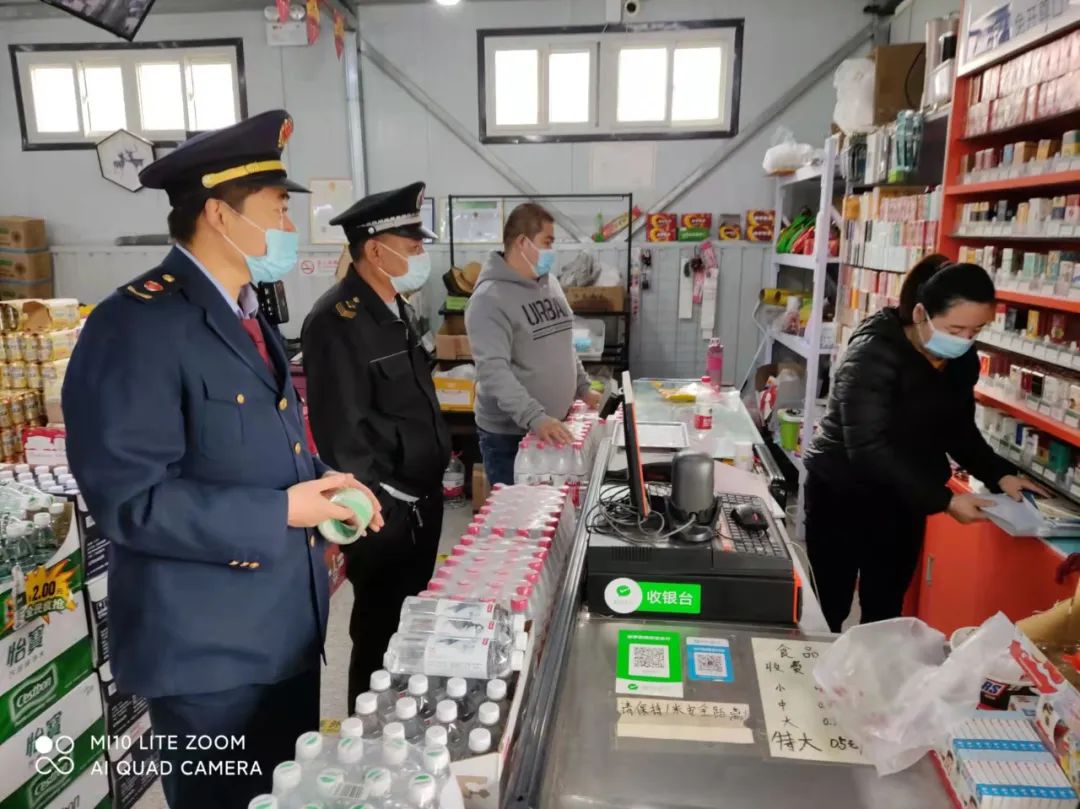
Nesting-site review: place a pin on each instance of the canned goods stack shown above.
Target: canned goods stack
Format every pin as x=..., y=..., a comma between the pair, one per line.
x=36, y=340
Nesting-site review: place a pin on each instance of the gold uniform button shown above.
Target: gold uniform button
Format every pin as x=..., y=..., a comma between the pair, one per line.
x=311, y=541
x=254, y=565
x=240, y=398
x=233, y=563
x=283, y=404
x=296, y=447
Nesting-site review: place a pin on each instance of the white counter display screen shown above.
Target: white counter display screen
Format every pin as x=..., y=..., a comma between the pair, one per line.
x=797, y=723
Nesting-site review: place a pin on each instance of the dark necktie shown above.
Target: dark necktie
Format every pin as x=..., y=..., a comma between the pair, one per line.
x=251, y=326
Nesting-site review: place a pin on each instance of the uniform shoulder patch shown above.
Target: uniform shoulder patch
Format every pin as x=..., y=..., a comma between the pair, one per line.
x=152, y=286
x=346, y=309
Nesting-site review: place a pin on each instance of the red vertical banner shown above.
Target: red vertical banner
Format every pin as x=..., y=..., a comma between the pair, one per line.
x=282, y=10
x=339, y=32
x=312, y=21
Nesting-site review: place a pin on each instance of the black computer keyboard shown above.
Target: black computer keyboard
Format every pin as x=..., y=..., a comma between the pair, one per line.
x=736, y=539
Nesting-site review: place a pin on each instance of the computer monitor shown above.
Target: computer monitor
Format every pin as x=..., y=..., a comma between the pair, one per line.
x=639, y=497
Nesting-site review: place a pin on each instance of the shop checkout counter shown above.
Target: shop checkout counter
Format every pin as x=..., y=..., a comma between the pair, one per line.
x=573, y=749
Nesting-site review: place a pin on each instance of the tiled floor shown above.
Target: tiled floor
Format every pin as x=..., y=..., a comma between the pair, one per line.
x=338, y=645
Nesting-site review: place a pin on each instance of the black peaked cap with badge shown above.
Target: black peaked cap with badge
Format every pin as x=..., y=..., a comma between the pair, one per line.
x=395, y=212
x=249, y=150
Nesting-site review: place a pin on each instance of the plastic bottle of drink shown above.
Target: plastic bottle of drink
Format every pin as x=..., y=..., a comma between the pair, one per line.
x=19, y=546
x=406, y=713
x=367, y=714
x=542, y=464
x=479, y=612
x=560, y=464
x=714, y=363
x=423, y=791
x=420, y=691
x=264, y=802
x=393, y=730
x=287, y=778
x=478, y=658
x=479, y=741
x=436, y=760
x=496, y=692
x=436, y=735
x=380, y=683
x=378, y=782
x=350, y=752
x=395, y=757
x=578, y=474
x=454, y=482
x=523, y=464
x=457, y=691
x=448, y=717
x=44, y=538
x=312, y=755
x=450, y=627
x=327, y=784
x=489, y=716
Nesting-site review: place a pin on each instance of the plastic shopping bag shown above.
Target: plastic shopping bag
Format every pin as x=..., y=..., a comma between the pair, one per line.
x=891, y=688
x=785, y=155
x=854, y=83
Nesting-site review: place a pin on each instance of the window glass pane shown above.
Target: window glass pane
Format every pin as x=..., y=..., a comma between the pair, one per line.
x=161, y=97
x=55, y=105
x=642, y=94
x=569, y=81
x=696, y=75
x=517, y=87
x=213, y=102
x=104, y=89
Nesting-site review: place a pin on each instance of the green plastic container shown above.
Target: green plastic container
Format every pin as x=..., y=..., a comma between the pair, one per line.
x=791, y=422
x=346, y=533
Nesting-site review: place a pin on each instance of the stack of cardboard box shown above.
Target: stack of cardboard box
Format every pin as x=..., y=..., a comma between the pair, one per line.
x=25, y=261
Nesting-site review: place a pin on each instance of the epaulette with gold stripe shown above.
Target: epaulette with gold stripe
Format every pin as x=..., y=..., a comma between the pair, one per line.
x=152, y=286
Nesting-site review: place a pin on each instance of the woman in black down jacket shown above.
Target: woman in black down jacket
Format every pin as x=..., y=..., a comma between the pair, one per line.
x=902, y=399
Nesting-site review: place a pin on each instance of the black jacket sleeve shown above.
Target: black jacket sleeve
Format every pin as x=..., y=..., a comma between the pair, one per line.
x=866, y=382
x=339, y=398
x=969, y=449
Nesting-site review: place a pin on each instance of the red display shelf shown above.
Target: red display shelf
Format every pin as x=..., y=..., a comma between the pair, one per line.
x=1015, y=184
x=1040, y=301
x=1055, y=428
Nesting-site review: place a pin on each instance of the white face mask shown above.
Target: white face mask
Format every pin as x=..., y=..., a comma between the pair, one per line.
x=417, y=272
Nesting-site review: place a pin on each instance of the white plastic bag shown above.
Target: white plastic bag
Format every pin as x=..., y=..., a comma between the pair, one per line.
x=854, y=83
x=785, y=154
x=892, y=690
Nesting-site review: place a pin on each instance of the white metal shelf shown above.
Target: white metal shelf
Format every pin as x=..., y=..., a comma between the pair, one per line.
x=800, y=345
x=801, y=261
x=804, y=175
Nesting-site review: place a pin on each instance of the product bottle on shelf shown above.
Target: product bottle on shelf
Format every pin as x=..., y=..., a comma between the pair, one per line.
x=407, y=714
x=477, y=658
x=560, y=464
x=714, y=363
x=423, y=792
x=264, y=802
x=286, y=781
x=350, y=752
x=378, y=783
x=542, y=464
x=419, y=690
x=496, y=691
x=578, y=473
x=436, y=736
x=489, y=716
x=380, y=684
x=367, y=714
x=523, y=464
x=393, y=731
x=328, y=783
x=479, y=741
x=44, y=538
x=437, y=760
x=457, y=691
x=448, y=717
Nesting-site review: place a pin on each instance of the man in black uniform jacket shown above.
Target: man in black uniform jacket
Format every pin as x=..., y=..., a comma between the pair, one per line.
x=374, y=412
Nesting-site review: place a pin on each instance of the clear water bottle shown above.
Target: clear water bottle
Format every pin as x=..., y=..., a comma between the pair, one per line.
x=264, y=802
x=477, y=612
x=479, y=741
x=328, y=783
x=457, y=691
x=523, y=464
x=393, y=731
x=367, y=715
x=378, y=782
x=489, y=716
x=436, y=760
x=44, y=538
x=579, y=473
x=406, y=713
x=714, y=363
x=420, y=691
x=448, y=717
x=286, y=782
x=310, y=751
x=542, y=464
x=436, y=736
x=560, y=464
x=380, y=685
x=350, y=752
x=497, y=691
x=396, y=758
x=477, y=658
x=423, y=791
x=454, y=482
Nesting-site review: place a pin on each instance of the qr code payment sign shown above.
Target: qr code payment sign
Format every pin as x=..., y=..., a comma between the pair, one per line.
x=711, y=663
x=647, y=660
x=709, y=659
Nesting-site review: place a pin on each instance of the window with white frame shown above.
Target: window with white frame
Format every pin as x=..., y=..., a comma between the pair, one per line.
x=72, y=96
x=650, y=81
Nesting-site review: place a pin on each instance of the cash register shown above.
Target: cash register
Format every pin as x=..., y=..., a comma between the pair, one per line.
x=661, y=541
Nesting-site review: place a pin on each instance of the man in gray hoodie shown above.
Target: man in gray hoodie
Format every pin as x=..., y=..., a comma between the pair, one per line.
x=521, y=331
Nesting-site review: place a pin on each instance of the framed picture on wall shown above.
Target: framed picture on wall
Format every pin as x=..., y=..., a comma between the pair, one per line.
x=122, y=155
x=328, y=199
x=120, y=17
x=478, y=220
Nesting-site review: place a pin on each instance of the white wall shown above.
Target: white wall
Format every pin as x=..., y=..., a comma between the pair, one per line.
x=436, y=47
x=66, y=187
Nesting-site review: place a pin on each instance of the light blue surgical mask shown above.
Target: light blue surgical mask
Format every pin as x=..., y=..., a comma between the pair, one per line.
x=946, y=346
x=545, y=261
x=417, y=272
x=281, y=258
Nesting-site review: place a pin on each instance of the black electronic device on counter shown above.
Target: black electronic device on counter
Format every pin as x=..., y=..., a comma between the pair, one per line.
x=712, y=567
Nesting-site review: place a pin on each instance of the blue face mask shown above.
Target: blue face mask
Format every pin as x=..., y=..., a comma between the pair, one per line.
x=417, y=271
x=282, y=254
x=946, y=346
x=546, y=260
